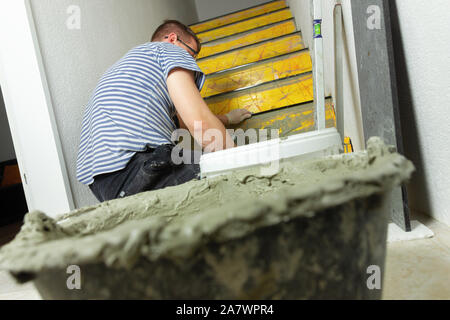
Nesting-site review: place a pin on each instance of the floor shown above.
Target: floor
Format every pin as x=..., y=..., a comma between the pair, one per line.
x=420, y=269
x=416, y=269
x=9, y=290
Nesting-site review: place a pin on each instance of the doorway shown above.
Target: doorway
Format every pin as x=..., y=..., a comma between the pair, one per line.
x=13, y=205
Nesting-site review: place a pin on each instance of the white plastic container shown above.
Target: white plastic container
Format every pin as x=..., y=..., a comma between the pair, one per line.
x=309, y=145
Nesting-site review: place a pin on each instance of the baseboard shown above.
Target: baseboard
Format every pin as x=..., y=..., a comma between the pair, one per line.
x=419, y=231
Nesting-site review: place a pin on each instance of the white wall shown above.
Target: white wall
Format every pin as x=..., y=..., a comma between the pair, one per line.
x=75, y=59
x=352, y=105
x=208, y=9
x=6, y=143
x=29, y=109
x=424, y=85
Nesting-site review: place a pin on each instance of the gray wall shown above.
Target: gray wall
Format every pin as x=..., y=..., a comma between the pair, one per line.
x=6, y=143
x=75, y=59
x=422, y=46
x=208, y=9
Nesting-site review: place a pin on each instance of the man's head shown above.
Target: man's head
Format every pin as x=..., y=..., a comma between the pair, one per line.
x=175, y=32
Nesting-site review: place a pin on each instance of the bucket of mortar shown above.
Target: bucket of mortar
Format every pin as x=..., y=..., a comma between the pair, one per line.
x=310, y=231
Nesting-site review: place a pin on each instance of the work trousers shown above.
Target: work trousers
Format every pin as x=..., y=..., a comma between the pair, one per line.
x=146, y=171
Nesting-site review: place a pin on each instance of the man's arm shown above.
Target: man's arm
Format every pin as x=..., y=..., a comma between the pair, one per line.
x=233, y=117
x=180, y=121
x=192, y=108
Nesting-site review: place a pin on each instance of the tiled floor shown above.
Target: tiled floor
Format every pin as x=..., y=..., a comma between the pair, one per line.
x=417, y=269
x=10, y=290
x=420, y=269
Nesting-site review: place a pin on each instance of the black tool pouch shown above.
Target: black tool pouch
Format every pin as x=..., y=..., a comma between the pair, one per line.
x=158, y=164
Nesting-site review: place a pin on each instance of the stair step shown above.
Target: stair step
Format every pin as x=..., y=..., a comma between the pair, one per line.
x=290, y=120
x=258, y=73
x=247, y=38
x=265, y=97
x=245, y=25
x=348, y=145
x=253, y=53
x=238, y=16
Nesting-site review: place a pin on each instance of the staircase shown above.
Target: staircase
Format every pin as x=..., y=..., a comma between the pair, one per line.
x=256, y=59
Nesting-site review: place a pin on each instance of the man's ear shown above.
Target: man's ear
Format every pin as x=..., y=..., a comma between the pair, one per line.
x=172, y=37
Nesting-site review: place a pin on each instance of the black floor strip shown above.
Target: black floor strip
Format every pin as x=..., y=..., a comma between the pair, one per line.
x=291, y=106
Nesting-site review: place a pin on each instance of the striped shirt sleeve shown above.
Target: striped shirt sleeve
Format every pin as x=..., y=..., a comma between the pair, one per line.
x=172, y=57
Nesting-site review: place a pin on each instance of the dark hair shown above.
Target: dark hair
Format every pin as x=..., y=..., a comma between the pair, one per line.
x=179, y=28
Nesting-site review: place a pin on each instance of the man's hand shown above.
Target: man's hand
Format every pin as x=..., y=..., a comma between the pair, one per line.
x=237, y=116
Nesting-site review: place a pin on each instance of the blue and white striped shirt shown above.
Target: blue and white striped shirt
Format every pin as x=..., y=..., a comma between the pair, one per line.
x=131, y=109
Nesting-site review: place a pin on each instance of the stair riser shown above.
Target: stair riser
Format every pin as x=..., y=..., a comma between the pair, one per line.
x=245, y=25
x=266, y=50
x=266, y=97
x=280, y=68
x=289, y=121
x=238, y=16
x=248, y=38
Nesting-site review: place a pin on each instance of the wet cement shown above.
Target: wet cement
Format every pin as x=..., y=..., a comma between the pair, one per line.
x=171, y=223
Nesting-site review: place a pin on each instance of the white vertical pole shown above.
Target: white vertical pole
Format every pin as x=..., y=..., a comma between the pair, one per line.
x=338, y=70
x=319, y=90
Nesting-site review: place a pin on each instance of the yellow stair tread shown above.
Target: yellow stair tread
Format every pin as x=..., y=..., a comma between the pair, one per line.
x=266, y=33
x=256, y=61
x=288, y=121
x=238, y=16
x=253, y=53
x=271, y=96
x=293, y=120
x=273, y=69
x=348, y=145
x=245, y=25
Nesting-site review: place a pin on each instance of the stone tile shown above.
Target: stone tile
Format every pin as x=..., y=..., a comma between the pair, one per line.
x=10, y=290
x=419, y=269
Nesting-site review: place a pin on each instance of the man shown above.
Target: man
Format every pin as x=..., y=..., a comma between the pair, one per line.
x=141, y=100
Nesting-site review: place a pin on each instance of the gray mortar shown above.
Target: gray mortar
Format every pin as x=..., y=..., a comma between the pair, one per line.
x=242, y=235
